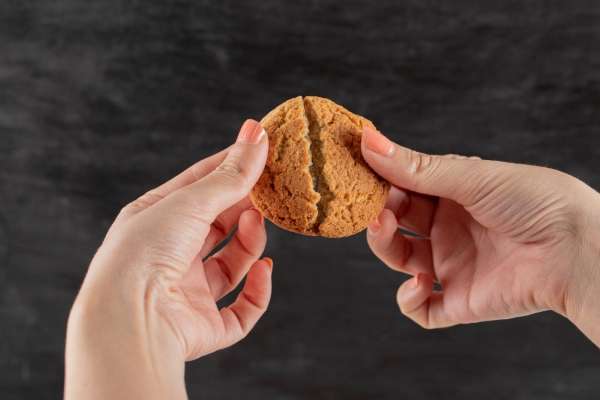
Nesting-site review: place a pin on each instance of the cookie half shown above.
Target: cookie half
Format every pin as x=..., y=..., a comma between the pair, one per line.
x=315, y=181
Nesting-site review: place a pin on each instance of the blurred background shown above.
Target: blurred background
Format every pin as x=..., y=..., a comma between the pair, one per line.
x=101, y=101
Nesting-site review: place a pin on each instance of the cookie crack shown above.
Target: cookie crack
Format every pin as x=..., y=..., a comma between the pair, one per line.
x=320, y=184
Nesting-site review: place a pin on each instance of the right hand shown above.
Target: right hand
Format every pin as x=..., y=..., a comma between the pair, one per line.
x=149, y=301
x=506, y=240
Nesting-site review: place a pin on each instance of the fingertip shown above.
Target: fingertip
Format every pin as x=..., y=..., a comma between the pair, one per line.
x=395, y=250
x=384, y=223
x=366, y=132
x=389, y=218
x=251, y=132
x=406, y=290
x=380, y=233
x=414, y=292
x=261, y=268
x=374, y=142
x=269, y=263
x=251, y=218
x=374, y=227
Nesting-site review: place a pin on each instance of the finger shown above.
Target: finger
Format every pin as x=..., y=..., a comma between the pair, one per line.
x=408, y=255
x=225, y=270
x=397, y=201
x=418, y=302
x=241, y=316
x=197, y=171
x=461, y=157
x=462, y=180
x=180, y=223
x=419, y=215
x=233, y=179
x=413, y=211
x=222, y=226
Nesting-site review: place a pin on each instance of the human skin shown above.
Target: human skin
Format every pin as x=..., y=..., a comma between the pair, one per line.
x=148, y=302
x=503, y=240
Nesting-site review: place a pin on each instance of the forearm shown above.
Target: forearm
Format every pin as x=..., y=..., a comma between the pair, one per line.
x=123, y=363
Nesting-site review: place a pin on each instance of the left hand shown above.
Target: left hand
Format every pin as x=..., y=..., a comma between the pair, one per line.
x=148, y=302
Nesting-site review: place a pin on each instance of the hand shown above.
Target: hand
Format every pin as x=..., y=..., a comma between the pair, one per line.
x=148, y=302
x=503, y=240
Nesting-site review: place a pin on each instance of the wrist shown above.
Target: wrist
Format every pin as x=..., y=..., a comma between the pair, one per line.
x=118, y=345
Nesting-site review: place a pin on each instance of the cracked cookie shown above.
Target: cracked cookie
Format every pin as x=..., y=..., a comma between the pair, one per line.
x=315, y=181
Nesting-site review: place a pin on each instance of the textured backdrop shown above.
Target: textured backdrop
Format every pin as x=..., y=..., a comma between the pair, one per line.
x=100, y=101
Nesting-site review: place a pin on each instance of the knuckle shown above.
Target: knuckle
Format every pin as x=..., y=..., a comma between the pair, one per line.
x=411, y=315
x=422, y=164
x=423, y=167
x=244, y=333
x=453, y=156
x=132, y=208
x=419, y=162
x=196, y=171
x=229, y=168
x=419, y=321
x=221, y=227
x=231, y=172
x=258, y=304
x=123, y=213
x=141, y=203
x=424, y=325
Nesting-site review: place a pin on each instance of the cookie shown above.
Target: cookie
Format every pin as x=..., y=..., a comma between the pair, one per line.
x=315, y=181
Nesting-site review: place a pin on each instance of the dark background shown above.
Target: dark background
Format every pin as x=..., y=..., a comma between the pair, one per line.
x=102, y=100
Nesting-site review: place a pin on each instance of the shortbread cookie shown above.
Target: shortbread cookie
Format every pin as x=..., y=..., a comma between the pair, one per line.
x=315, y=181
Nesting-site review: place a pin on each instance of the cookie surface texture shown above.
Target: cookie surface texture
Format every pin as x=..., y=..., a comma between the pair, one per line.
x=315, y=181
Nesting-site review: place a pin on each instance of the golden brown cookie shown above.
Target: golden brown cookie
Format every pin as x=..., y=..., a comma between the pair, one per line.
x=315, y=181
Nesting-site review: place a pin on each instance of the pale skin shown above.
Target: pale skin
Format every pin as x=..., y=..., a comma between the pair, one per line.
x=503, y=240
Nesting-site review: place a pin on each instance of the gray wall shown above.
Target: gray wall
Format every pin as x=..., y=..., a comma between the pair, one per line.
x=100, y=101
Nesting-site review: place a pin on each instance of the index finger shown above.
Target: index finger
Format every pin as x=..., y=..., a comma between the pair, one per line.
x=176, y=229
x=190, y=175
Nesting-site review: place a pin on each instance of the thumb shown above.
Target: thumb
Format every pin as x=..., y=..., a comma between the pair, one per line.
x=182, y=220
x=457, y=178
x=176, y=227
x=233, y=179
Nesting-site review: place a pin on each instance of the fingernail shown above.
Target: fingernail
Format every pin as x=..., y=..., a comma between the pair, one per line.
x=261, y=218
x=269, y=262
x=378, y=143
x=251, y=132
x=374, y=226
